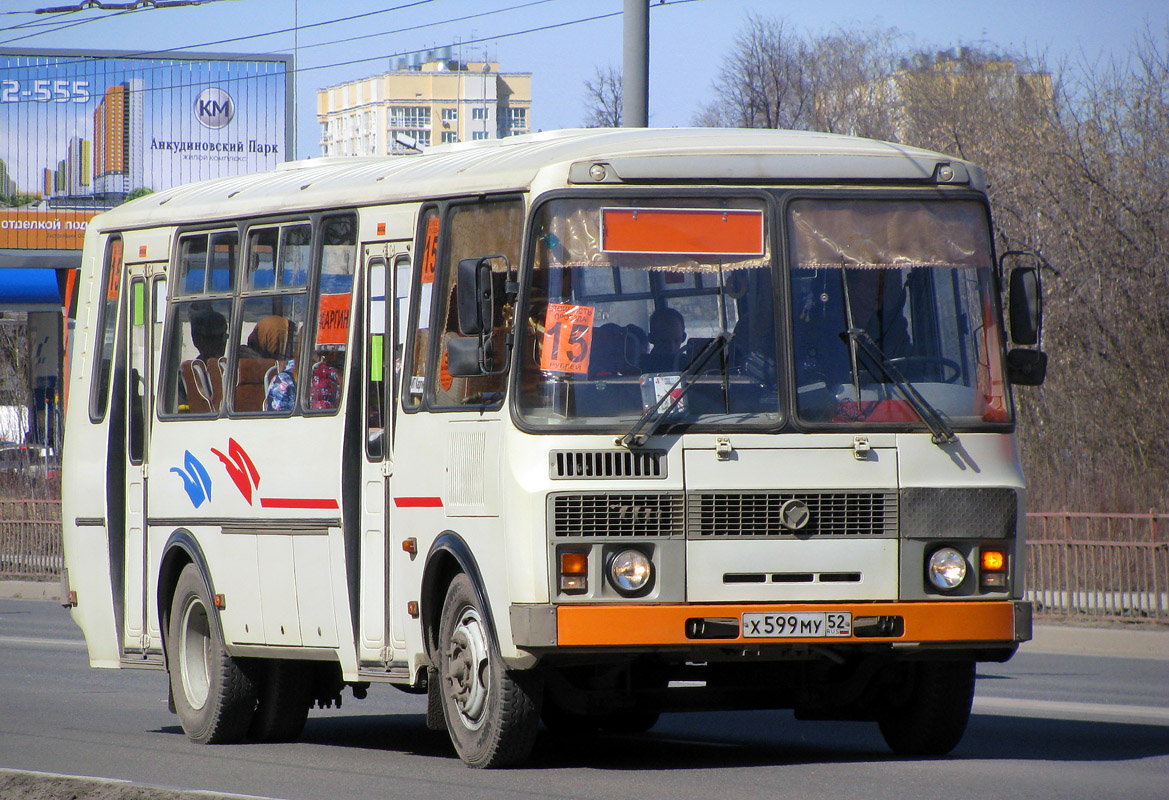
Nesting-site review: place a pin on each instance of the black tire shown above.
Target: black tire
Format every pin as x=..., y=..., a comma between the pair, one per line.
x=214, y=698
x=931, y=718
x=284, y=699
x=491, y=713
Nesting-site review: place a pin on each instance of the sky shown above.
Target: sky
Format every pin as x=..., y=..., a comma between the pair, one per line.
x=688, y=38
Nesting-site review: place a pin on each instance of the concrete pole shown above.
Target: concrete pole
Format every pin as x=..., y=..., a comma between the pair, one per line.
x=635, y=70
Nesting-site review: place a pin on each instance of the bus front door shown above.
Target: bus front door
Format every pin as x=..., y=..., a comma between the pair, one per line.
x=145, y=303
x=385, y=264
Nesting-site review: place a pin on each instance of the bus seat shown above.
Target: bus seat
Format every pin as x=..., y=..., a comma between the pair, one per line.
x=197, y=383
x=617, y=350
x=251, y=383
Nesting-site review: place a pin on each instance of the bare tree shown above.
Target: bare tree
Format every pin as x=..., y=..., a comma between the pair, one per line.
x=603, y=98
x=1076, y=159
x=774, y=78
x=762, y=82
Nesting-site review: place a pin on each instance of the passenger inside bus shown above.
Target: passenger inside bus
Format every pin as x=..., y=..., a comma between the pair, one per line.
x=667, y=332
x=266, y=358
x=202, y=377
x=208, y=332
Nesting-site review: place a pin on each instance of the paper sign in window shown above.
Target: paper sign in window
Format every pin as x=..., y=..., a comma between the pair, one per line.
x=430, y=250
x=333, y=319
x=682, y=231
x=568, y=338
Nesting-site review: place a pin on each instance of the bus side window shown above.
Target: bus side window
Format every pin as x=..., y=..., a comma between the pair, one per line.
x=272, y=315
x=195, y=361
x=422, y=304
x=194, y=365
x=476, y=230
x=338, y=255
x=106, y=325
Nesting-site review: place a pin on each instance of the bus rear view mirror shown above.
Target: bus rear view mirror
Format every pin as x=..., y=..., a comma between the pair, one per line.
x=465, y=357
x=1026, y=367
x=1025, y=305
x=475, y=296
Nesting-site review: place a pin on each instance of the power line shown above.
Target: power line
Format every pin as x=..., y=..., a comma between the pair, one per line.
x=148, y=53
x=463, y=18
x=66, y=25
x=365, y=60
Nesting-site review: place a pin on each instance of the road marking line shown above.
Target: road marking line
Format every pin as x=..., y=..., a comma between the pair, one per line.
x=1106, y=712
x=42, y=642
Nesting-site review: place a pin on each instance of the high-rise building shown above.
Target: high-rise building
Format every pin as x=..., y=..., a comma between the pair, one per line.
x=79, y=160
x=437, y=101
x=117, y=139
x=7, y=184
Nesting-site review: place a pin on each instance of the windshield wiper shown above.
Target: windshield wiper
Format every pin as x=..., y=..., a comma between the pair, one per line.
x=941, y=430
x=635, y=437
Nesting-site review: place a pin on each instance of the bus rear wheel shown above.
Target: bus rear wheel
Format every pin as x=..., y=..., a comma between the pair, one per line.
x=491, y=712
x=931, y=717
x=214, y=698
x=284, y=698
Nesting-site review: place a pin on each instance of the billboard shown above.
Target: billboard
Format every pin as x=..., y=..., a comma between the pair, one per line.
x=81, y=132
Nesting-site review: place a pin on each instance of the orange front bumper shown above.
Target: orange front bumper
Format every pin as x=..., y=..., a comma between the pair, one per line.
x=664, y=625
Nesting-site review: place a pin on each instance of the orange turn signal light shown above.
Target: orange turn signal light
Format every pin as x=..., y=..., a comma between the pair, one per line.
x=993, y=560
x=574, y=563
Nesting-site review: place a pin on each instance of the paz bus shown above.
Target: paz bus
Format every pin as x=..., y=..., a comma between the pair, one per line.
x=572, y=428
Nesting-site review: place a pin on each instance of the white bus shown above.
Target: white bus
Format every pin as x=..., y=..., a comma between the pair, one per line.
x=577, y=427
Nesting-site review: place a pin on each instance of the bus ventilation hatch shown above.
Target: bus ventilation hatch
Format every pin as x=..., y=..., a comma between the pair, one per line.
x=606, y=464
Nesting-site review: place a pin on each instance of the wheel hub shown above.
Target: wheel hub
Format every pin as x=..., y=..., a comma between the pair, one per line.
x=467, y=665
x=195, y=655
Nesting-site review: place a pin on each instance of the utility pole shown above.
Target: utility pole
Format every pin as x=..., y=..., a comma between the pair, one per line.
x=635, y=69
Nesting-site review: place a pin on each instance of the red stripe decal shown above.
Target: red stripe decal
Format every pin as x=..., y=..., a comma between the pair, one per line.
x=418, y=502
x=296, y=502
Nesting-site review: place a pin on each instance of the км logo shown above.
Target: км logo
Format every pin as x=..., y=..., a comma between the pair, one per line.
x=214, y=108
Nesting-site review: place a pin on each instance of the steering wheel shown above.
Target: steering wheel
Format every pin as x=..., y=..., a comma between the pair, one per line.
x=950, y=370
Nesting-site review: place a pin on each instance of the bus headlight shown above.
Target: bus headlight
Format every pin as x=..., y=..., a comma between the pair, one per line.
x=630, y=572
x=946, y=568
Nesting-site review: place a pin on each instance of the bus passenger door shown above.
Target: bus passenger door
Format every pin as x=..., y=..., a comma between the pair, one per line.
x=145, y=302
x=384, y=262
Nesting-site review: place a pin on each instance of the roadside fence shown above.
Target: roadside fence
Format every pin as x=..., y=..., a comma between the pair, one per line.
x=30, y=539
x=1099, y=566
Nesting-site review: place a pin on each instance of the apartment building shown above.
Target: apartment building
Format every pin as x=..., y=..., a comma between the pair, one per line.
x=434, y=101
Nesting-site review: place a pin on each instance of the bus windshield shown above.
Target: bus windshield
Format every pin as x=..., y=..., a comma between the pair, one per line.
x=891, y=307
x=883, y=290
x=626, y=295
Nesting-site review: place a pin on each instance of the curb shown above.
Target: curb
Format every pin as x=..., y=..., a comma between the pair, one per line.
x=1074, y=640
x=16, y=783
x=31, y=590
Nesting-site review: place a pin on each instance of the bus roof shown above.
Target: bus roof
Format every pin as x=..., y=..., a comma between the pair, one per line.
x=630, y=155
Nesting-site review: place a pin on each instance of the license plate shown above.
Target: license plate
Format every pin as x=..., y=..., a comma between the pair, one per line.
x=800, y=625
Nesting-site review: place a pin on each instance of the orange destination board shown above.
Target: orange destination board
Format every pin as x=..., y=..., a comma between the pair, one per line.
x=682, y=231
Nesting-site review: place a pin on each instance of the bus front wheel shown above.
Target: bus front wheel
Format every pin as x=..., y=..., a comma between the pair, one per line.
x=491, y=712
x=931, y=716
x=213, y=696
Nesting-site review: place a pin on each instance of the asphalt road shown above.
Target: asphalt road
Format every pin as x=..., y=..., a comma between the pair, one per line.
x=1045, y=725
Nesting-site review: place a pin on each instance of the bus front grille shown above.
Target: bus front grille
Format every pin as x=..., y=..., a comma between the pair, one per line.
x=725, y=515
x=613, y=514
